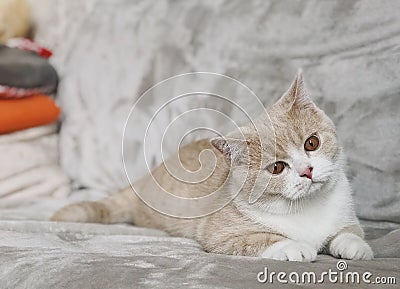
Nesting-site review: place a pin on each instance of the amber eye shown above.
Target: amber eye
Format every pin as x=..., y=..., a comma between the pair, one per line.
x=276, y=168
x=312, y=143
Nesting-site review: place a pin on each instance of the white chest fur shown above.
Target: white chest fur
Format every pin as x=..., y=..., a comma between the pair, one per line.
x=320, y=217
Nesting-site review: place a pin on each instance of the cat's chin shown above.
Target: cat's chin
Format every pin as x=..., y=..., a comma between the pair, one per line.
x=309, y=191
x=284, y=205
x=316, y=187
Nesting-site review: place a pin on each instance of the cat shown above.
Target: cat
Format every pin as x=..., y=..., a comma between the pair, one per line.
x=294, y=199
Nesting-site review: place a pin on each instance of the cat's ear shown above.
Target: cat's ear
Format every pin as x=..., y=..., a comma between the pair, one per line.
x=296, y=97
x=231, y=148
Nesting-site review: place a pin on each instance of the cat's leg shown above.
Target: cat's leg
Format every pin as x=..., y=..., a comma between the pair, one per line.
x=266, y=245
x=290, y=250
x=116, y=208
x=349, y=244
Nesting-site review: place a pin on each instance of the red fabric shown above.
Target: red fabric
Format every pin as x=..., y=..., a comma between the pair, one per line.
x=29, y=45
x=17, y=92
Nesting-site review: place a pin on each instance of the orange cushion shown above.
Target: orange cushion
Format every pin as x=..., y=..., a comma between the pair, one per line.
x=17, y=114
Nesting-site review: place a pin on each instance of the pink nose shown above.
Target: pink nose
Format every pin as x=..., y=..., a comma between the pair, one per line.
x=307, y=173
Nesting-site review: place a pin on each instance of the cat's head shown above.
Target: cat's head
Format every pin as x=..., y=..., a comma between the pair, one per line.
x=288, y=155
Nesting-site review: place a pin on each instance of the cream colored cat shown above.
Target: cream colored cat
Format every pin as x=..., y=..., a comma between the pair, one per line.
x=293, y=202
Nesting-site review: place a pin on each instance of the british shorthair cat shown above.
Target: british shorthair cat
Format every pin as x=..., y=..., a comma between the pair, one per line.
x=291, y=197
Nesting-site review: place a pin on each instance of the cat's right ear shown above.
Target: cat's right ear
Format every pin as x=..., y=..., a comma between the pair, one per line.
x=229, y=147
x=296, y=97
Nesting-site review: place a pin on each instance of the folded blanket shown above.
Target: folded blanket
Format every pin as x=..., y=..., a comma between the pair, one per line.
x=18, y=114
x=25, y=73
x=15, y=19
x=29, y=167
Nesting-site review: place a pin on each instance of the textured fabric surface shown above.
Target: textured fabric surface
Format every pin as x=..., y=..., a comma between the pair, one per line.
x=110, y=52
x=48, y=255
x=32, y=183
x=29, y=169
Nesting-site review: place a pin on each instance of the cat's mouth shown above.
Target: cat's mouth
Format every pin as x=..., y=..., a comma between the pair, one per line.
x=308, y=190
x=316, y=185
x=314, y=188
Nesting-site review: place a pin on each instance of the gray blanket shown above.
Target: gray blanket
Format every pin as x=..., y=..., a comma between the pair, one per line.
x=50, y=255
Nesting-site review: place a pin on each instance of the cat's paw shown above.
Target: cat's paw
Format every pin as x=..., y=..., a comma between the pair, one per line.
x=350, y=246
x=72, y=213
x=289, y=250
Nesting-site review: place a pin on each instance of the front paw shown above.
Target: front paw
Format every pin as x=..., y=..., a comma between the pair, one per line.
x=289, y=250
x=350, y=246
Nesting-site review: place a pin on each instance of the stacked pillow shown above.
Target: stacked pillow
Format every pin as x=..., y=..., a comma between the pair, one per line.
x=26, y=80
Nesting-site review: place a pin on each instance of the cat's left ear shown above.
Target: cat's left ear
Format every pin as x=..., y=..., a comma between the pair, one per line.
x=231, y=148
x=297, y=96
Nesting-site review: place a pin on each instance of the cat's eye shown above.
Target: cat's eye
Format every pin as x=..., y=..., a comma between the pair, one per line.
x=312, y=143
x=276, y=168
